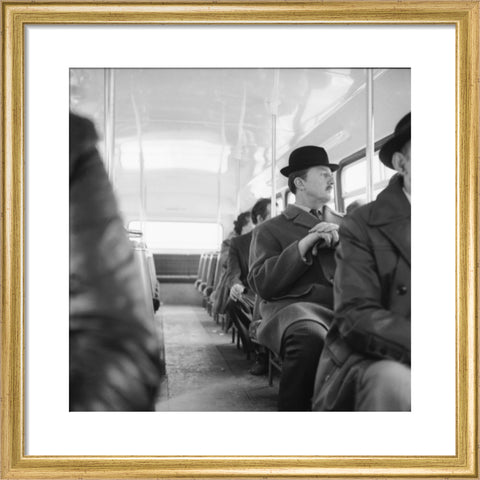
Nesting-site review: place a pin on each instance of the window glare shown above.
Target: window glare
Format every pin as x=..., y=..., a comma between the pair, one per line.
x=180, y=237
x=280, y=204
x=354, y=179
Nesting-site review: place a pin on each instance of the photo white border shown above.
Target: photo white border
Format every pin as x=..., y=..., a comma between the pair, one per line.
x=429, y=429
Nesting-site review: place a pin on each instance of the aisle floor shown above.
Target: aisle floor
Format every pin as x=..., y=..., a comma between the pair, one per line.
x=205, y=371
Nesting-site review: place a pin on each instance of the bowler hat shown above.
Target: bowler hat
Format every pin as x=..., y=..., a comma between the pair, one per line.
x=398, y=139
x=306, y=157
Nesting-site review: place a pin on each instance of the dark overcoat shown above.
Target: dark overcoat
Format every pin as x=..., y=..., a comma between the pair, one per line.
x=372, y=297
x=222, y=287
x=291, y=288
x=237, y=263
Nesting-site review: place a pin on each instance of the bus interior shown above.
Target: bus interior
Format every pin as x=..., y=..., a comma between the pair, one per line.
x=188, y=150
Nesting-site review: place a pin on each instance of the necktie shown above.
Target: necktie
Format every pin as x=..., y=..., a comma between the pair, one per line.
x=316, y=213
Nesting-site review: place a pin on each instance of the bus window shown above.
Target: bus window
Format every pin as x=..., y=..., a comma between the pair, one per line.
x=180, y=237
x=280, y=203
x=353, y=179
x=290, y=198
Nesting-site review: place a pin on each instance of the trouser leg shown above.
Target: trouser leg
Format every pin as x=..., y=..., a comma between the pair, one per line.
x=384, y=386
x=241, y=318
x=301, y=348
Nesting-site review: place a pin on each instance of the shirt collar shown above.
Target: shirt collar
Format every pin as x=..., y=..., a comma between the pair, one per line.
x=306, y=209
x=302, y=207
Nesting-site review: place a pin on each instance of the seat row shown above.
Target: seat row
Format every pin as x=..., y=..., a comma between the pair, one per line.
x=207, y=277
x=150, y=286
x=207, y=282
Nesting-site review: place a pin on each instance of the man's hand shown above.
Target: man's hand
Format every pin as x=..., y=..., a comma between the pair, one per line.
x=329, y=240
x=323, y=232
x=324, y=227
x=236, y=291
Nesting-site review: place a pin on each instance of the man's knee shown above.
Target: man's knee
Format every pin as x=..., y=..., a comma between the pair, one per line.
x=384, y=385
x=301, y=348
x=305, y=338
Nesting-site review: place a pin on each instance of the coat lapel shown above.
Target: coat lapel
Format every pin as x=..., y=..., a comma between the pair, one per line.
x=391, y=213
x=331, y=216
x=300, y=217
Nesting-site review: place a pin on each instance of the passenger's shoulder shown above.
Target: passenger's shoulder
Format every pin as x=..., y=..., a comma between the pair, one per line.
x=269, y=227
x=241, y=239
x=357, y=221
x=273, y=222
x=361, y=213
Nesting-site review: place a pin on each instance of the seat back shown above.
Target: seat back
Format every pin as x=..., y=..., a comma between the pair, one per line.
x=140, y=255
x=209, y=284
x=201, y=265
x=217, y=275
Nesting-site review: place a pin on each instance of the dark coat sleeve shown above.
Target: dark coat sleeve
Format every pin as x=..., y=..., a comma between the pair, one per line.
x=273, y=270
x=234, y=270
x=362, y=318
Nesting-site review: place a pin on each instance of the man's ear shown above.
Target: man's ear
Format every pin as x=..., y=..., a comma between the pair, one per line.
x=398, y=162
x=297, y=181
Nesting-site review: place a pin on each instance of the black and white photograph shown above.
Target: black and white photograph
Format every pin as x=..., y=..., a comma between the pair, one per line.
x=227, y=277
x=240, y=239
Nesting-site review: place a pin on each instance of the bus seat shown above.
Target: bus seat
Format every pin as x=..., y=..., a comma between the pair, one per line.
x=216, y=281
x=206, y=269
x=211, y=275
x=140, y=255
x=153, y=281
x=203, y=268
x=208, y=272
x=201, y=265
x=208, y=289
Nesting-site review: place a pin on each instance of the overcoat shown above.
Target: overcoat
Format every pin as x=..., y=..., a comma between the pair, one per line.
x=372, y=297
x=291, y=288
x=237, y=263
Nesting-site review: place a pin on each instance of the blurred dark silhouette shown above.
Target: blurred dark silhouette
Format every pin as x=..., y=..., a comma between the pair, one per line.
x=114, y=353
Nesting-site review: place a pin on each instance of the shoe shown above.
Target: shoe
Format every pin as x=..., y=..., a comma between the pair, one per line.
x=258, y=368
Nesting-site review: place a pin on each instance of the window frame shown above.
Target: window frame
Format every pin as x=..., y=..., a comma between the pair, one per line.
x=347, y=161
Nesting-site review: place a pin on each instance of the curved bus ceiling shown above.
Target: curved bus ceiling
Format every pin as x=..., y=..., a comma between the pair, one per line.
x=204, y=136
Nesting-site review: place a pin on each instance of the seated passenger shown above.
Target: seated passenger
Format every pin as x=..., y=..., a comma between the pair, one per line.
x=114, y=354
x=242, y=225
x=291, y=268
x=242, y=298
x=365, y=364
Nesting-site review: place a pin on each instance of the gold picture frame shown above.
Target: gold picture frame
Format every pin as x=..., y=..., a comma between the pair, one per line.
x=463, y=14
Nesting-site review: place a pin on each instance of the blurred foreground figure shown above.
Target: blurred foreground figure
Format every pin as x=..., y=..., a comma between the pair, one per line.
x=114, y=359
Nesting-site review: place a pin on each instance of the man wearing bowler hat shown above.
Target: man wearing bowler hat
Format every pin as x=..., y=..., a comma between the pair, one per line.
x=365, y=365
x=292, y=266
